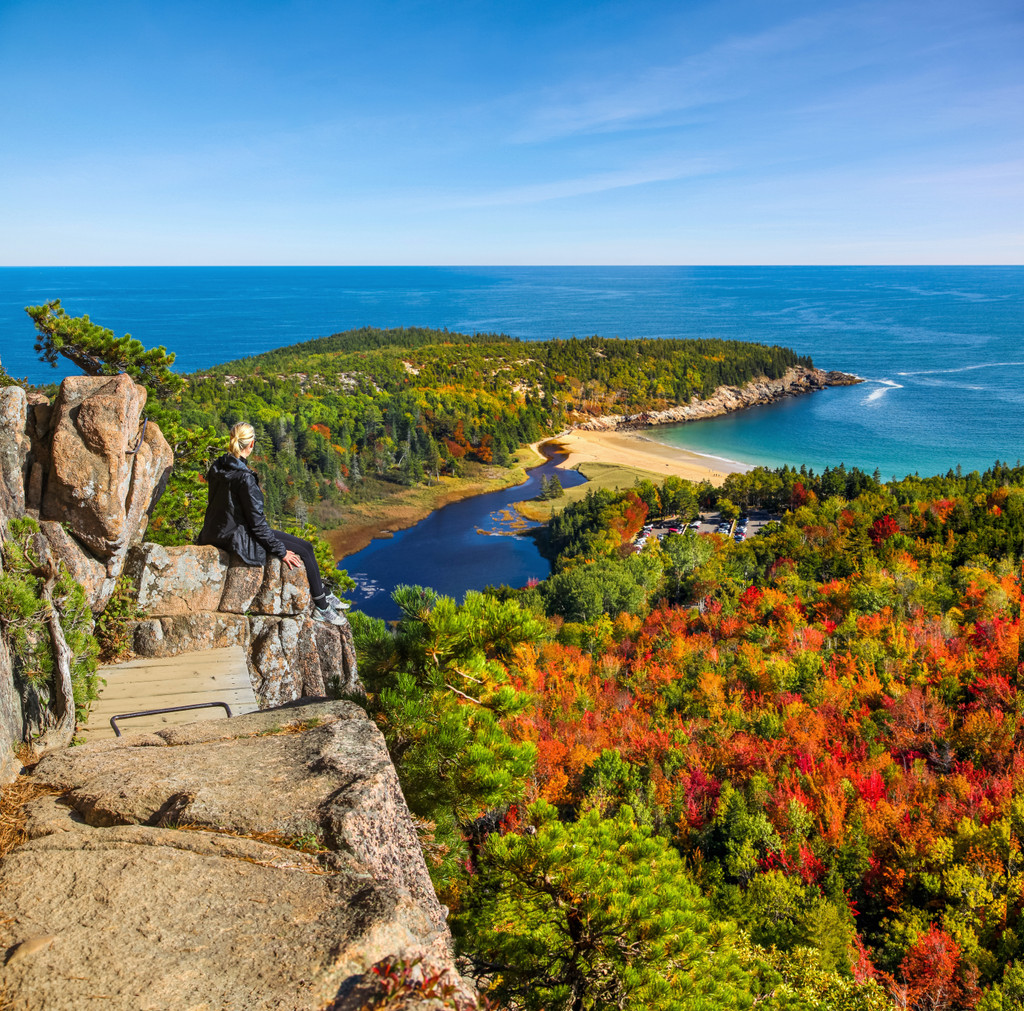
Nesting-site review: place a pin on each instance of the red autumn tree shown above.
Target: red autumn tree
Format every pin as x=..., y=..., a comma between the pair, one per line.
x=883, y=528
x=930, y=976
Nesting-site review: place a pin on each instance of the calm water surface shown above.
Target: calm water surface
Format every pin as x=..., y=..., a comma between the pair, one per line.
x=464, y=546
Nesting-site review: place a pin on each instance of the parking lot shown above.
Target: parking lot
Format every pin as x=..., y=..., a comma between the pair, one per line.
x=750, y=524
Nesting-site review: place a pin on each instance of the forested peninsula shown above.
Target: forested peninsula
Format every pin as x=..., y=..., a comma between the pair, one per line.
x=368, y=416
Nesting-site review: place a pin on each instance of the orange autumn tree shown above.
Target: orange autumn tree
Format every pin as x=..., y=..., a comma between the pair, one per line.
x=859, y=728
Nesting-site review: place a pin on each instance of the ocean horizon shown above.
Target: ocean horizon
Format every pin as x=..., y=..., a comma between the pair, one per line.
x=940, y=348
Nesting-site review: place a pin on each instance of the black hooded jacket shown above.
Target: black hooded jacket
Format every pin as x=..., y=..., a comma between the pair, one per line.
x=235, y=520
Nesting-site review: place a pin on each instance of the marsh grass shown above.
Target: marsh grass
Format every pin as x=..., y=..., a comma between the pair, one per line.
x=614, y=477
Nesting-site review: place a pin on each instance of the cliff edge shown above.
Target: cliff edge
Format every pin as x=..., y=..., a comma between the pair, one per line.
x=78, y=480
x=262, y=863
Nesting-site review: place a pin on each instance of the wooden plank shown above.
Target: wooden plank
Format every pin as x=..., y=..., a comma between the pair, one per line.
x=216, y=675
x=167, y=686
x=171, y=690
x=200, y=656
x=143, y=677
x=238, y=703
x=205, y=658
x=192, y=665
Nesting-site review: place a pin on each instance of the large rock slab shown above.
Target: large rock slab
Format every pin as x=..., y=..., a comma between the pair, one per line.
x=279, y=655
x=187, y=633
x=264, y=862
x=283, y=591
x=87, y=570
x=336, y=655
x=38, y=463
x=193, y=578
x=153, y=459
x=8, y=510
x=100, y=482
x=11, y=722
x=94, y=421
x=177, y=580
x=241, y=584
x=293, y=658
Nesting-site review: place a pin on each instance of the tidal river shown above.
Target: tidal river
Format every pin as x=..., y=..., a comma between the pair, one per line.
x=448, y=552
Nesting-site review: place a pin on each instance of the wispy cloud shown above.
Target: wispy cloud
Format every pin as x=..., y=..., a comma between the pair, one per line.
x=562, y=189
x=699, y=81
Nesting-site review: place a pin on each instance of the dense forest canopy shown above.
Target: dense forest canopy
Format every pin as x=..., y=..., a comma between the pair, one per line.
x=808, y=744
x=785, y=772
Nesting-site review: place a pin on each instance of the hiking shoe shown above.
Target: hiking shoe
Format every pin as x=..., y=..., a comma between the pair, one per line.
x=327, y=614
x=338, y=605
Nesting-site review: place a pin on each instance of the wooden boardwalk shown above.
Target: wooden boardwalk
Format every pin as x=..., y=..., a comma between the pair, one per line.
x=211, y=675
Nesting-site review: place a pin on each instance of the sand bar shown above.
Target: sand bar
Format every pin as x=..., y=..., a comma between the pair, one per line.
x=629, y=449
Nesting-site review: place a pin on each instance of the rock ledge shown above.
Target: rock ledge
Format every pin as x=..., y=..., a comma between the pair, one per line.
x=264, y=862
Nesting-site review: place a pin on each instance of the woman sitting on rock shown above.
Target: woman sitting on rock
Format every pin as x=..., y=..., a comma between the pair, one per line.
x=235, y=521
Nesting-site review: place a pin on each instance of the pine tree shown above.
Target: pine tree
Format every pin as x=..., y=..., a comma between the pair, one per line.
x=97, y=352
x=439, y=691
x=595, y=915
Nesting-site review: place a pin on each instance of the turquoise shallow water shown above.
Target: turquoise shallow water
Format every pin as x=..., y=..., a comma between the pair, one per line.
x=941, y=347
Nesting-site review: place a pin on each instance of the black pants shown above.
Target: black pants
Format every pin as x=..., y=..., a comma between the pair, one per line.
x=305, y=551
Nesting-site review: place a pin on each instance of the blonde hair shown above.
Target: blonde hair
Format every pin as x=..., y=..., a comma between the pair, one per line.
x=243, y=435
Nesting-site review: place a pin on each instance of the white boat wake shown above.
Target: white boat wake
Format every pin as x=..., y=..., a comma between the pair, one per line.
x=885, y=385
x=963, y=368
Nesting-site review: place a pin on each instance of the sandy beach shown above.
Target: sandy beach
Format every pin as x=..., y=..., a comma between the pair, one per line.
x=628, y=449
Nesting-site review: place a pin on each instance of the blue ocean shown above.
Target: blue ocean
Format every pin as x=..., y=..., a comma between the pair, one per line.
x=940, y=348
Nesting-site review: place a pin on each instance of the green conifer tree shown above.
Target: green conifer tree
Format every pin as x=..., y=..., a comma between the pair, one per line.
x=439, y=691
x=594, y=916
x=97, y=352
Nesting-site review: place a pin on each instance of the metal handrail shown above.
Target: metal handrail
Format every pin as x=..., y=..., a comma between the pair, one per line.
x=170, y=709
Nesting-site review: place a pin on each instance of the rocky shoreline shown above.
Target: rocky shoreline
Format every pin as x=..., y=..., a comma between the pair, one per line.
x=794, y=382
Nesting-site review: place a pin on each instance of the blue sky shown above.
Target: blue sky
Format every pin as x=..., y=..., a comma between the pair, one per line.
x=516, y=132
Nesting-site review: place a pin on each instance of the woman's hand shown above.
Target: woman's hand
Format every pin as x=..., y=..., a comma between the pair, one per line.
x=291, y=559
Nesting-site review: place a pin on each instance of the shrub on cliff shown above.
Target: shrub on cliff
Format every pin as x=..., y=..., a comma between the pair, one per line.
x=48, y=626
x=439, y=691
x=97, y=352
x=595, y=914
